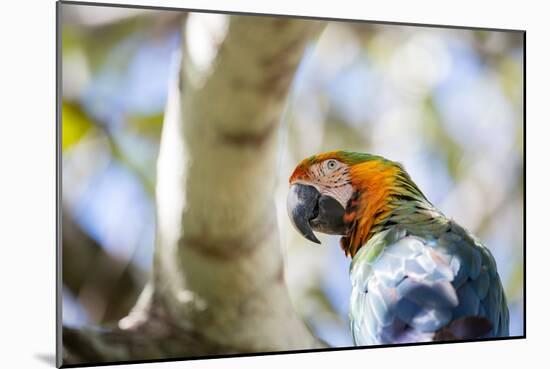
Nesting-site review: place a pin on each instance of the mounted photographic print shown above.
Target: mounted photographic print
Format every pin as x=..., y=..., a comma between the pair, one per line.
x=242, y=184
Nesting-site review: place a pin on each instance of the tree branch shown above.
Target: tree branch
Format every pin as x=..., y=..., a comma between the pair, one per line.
x=113, y=285
x=218, y=270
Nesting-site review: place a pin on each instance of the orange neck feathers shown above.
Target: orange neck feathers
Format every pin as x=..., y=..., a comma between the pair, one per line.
x=375, y=182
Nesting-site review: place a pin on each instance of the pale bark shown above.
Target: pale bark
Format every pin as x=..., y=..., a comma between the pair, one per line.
x=218, y=281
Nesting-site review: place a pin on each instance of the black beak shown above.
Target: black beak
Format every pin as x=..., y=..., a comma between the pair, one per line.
x=309, y=210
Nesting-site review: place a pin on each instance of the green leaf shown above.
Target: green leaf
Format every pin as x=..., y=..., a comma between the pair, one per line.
x=148, y=125
x=75, y=124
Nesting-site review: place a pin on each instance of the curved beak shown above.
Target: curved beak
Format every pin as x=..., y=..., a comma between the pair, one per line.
x=301, y=205
x=309, y=210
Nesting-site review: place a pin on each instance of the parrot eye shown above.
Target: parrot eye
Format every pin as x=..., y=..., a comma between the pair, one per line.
x=331, y=164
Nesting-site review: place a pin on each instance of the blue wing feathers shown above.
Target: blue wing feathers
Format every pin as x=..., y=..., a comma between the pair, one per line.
x=429, y=294
x=469, y=302
x=417, y=286
x=431, y=320
x=481, y=284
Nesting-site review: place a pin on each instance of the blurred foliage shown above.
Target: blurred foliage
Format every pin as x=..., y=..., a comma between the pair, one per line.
x=94, y=42
x=446, y=103
x=109, y=148
x=150, y=125
x=75, y=124
x=438, y=137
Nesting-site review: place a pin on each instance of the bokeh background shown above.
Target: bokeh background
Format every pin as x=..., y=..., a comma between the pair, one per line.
x=447, y=103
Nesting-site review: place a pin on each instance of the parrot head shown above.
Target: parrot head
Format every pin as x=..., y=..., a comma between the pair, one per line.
x=349, y=194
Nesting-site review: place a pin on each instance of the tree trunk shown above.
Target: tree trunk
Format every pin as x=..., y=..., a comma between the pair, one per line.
x=218, y=278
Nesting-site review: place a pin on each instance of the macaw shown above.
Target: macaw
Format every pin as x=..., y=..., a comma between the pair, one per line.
x=416, y=275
